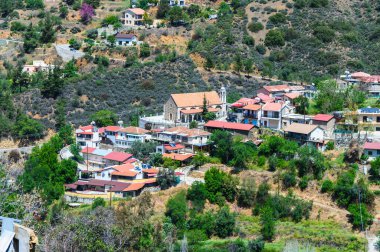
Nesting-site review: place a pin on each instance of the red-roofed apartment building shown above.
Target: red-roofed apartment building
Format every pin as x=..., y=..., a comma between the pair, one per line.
x=325, y=121
x=372, y=150
x=272, y=114
x=279, y=90
x=235, y=128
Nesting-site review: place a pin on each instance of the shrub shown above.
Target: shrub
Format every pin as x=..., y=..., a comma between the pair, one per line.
x=324, y=33
x=255, y=26
x=330, y=145
x=98, y=202
x=359, y=216
x=261, y=161
x=327, y=186
x=275, y=37
x=289, y=179
x=303, y=183
x=261, y=49
x=224, y=223
x=278, y=18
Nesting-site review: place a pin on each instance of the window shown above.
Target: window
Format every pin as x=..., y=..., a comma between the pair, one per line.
x=378, y=152
x=369, y=153
x=377, y=129
x=378, y=119
x=365, y=118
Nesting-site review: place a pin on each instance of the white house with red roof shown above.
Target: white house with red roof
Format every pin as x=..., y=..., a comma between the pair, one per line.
x=126, y=39
x=88, y=136
x=272, y=114
x=372, y=150
x=325, y=121
x=125, y=137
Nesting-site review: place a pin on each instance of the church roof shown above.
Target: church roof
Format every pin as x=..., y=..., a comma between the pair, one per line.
x=196, y=99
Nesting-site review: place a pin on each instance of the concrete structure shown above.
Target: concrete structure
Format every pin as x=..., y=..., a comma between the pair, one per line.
x=252, y=114
x=369, y=118
x=288, y=119
x=372, y=150
x=187, y=107
x=305, y=134
x=94, y=157
x=133, y=17
x=127, y=136
x=123, y=39
x=116, y=158
x=15, y=237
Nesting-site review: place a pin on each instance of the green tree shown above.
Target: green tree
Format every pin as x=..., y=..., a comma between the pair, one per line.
x=93, y=3
x=104, y=118
x=166, y=178
x=163, y=9
x=255, y=26
x=374, y=172
x=275, y=38
x=144, y=50
x=193, y=124
x=111, y=40
x=47, y=30
x=197, y=194
x=20, y=79
x=70, y=70
x=142, y=150
x=176, y=209
x=310, y=161
x=329, y=98
x=301, y=103
x=176, y=15
x=224, y=223
x=63, y=11
x=247, y=192
x=66, y=134
x=31, y=38
x=359, y=216
x=28, y=128
x=194, y=10
x=52, y=85
x=248, y=66
x=221, y=145
x=209, y=64
x=59, y=114
x=238, y=63
x=34, y=4
x=242, y=155
x=268, y=224
x=199, y=159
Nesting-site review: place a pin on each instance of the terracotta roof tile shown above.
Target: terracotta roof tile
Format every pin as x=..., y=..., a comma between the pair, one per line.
x=323, y=117
x=371, y=146
x=253, y=107
x=189, y=132
x=292, y=95
x=134, y=187
x=271, y=106
x=118, y=156
x=134, y=130
x=178, y=157
x=88, y=150
x=196, y=99
x=137, y=11
x=229, y=125
x=113, y=128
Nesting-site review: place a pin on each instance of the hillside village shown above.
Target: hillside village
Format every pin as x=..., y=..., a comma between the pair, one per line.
x=187, y=125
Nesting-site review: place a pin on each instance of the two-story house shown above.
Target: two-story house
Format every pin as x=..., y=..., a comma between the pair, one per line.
x=272, y=114
x=192, y=139
x=252, y=114
x=325, y=121
x=133, y=17
x=127, y=136
x=369, y=118
x=88, y=136
x=309, y=134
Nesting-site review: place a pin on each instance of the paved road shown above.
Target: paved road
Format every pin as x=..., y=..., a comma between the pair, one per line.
x=65, y=52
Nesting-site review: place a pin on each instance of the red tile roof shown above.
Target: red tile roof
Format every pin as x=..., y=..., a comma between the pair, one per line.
x=359, y=75
x=85, y=133
x=178, y=157
x=371, y=79
x=118, y=156
x=371, y=146
x=113, y=128
x=229, y=125
x=276, y=88
x=253, y=107
x=271, y=106
x=197, y=111
x=137, y=11
x=292, y=95
x=88, y=150
x=323, y=117
x=134, y=130
x=176, y=147
x=264, y=97
x=86, y=128
x=188, y=132
x=196, y=99
x=151, y=170
x=124, y=170
x=134, y=187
